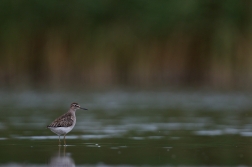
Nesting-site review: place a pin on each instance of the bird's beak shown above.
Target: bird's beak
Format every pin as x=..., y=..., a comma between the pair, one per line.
x=83, y=108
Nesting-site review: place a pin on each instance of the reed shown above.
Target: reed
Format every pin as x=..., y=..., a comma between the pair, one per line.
x=104, y=43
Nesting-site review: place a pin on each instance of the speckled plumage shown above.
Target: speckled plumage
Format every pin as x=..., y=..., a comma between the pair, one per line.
x=66, y=122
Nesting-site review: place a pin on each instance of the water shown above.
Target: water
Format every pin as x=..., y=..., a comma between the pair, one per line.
x=126, y=128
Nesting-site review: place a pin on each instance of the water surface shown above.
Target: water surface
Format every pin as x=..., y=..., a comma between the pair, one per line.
x=126, y=128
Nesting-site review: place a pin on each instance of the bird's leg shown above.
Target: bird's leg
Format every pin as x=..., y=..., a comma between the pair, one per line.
x=59, y=140
x=64, y=140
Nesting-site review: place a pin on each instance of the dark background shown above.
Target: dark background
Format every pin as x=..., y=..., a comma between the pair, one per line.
x=132, y=43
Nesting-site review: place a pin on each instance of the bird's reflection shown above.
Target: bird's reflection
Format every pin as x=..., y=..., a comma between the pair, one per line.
x=61, y=159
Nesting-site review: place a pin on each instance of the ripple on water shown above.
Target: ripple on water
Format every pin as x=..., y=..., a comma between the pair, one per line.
x=115, y=114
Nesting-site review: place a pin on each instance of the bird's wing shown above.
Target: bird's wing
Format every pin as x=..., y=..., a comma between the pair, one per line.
x=65, y=120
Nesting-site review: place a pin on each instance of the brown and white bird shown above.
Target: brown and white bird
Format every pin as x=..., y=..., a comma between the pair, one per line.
x=66, y=122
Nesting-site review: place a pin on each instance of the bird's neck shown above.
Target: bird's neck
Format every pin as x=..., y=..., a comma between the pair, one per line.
x=71, y=111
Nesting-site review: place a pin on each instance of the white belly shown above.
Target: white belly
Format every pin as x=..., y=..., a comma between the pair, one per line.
x=61, y=130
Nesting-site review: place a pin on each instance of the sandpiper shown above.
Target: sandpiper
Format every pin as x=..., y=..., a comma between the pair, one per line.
x=66, y=122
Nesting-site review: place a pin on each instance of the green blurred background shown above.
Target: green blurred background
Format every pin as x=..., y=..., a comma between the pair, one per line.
x=137, y=51
x=129, y=43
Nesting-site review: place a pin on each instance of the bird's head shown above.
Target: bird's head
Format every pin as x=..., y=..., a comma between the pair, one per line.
x=76, y=106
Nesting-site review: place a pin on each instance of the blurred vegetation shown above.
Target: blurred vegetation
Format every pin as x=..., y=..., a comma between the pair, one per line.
x=104, y=43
